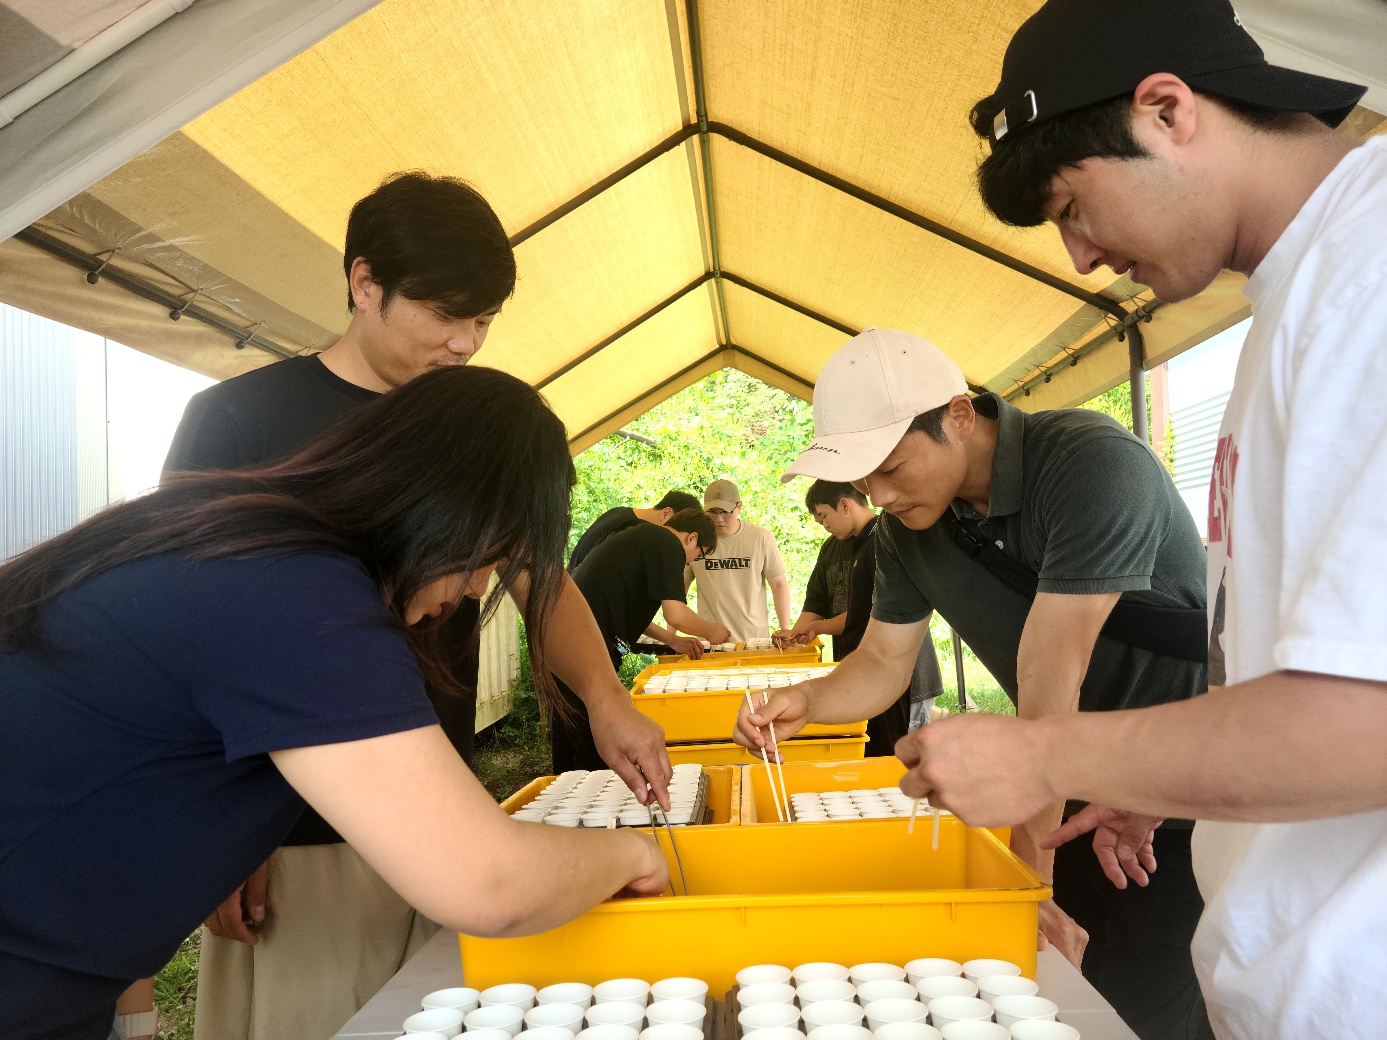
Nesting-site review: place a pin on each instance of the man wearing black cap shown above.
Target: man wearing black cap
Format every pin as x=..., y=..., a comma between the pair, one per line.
x=1158, y=140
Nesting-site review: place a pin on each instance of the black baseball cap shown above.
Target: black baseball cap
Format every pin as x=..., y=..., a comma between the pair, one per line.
x=1075, y=53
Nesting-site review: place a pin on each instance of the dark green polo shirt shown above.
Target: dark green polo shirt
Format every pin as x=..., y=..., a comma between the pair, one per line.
x=1088, y=507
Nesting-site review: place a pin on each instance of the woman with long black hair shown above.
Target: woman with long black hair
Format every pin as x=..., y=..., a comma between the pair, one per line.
x=181, y=672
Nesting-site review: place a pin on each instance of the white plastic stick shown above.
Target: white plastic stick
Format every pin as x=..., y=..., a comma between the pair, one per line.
x=775, y=746
x=934, y=842
x=910, y=827
x=770, y=777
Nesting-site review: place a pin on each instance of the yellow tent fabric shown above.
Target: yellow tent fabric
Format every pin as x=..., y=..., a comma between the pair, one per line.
x=831, y=191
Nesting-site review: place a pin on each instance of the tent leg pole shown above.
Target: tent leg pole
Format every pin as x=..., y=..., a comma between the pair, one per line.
x=960, y=682
x=1136, y=356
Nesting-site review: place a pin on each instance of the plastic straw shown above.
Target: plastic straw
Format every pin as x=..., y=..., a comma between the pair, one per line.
x=770, y=777
x=775, y=746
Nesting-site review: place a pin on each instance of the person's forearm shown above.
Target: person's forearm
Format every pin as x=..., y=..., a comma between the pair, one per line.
x=685, y=620
x=862, y=686
x=831, y=626
x=1288, y=746
x=661, y=633
x=780, y=594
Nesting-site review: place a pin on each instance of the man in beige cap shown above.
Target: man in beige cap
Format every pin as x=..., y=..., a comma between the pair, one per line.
x=1057, y=546
x=732, y=580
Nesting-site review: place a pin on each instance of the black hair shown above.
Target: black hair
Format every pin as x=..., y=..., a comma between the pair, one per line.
x=1014, y=180
x=679, y=501
x=931, y=424
x=699, y=522
x=830, y=493
x=386, y=486
x=431, y=238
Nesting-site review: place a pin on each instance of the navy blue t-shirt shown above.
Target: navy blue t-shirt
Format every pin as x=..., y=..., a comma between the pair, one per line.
x=136, y=788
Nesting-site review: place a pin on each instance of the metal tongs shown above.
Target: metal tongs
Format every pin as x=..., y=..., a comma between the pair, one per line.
x=651, y=804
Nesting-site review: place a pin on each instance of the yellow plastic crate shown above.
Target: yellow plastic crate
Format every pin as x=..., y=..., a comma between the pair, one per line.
x=758, y=805
x=787, y=895
x=724, y=795
x=791, y=659
x=807, y=749
x=712, y=715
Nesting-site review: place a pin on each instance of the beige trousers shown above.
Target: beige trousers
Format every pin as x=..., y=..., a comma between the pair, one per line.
x=334, y=933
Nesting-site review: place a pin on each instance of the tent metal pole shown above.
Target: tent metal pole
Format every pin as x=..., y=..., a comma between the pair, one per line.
x=59, y=249
x=706, y=148
x=750, y=356
x=960, y=682
x=1136, y=356
x=649, y=393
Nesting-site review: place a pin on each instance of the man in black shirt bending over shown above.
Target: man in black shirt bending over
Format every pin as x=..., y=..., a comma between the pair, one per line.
x=622, y=517
x=315, y=931
x=626, y=580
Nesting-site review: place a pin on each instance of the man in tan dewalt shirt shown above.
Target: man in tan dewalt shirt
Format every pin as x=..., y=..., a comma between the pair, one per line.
x=732, y=580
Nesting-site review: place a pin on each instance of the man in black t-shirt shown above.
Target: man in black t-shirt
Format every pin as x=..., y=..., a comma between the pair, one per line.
x=838, y=603
x=315, y=931
x=622, y=517
x=626, y=580
x=977, y=497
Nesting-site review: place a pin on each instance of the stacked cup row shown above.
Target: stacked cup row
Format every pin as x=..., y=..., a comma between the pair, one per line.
x=591, y=799
x=618, y=1009
x=760, y=643
x=712, y=680
x=925, y=999
x=865, y=804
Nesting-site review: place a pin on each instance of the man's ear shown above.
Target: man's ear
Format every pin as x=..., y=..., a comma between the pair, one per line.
x=363, y=286
x=964, y=417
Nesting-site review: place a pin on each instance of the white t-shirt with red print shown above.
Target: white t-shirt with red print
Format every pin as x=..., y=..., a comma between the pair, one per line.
x=1293, y=942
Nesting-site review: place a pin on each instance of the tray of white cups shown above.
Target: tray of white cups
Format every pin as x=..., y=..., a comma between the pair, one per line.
x=704, y=680
x=932, y=998
x=580, y=798
x=866, y=804
x=617, y=1009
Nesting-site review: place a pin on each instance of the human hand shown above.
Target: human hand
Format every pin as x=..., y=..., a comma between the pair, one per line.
x=633, y=745
x=782, y=638
x=1061, y=931
x=788, y=709
x=1121, y=841
x=720, y=634
x=654, y=870
x=689, y=647
x=989, y=770
x=242, y=912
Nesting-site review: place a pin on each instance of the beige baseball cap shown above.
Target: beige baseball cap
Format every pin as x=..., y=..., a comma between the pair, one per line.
x=866, y=397
x=721, y=494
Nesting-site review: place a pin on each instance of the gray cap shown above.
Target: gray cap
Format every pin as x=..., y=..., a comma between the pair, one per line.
x=721, y=494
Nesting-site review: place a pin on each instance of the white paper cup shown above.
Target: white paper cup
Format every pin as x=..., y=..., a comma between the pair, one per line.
x=444, y=1021
x=815, y=990
x=906, y=1031
x=817, y=970
x=943, y=1010
x=932, y=967
x=567, y=1016
x=671, y=1032
x=431, y=1035
x=975, y=1031
x=608, y=1033
x=549, y=1033
x=615, y=1013
x=677, y=1013
x=759, y=973
x=975, y=970
x=460, y=997
x=680, y=988
x=765, y=993
x=894, y=1009
x=1013, y=1009
x=577, y=993
x=517, y=994
x=990, y=987
x=875, y=971
x=447, y=1021
x=768, y=1016
x=621, y=991
x=773, y=1033
x=946, y=986
x=832, y=1013
x=1039, y=1029
x=884, y=989
x=488, y=1033
x=842, y=1033
x=496, y=1016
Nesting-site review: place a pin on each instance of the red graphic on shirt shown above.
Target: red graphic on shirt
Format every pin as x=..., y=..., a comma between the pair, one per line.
x=1221, y=494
